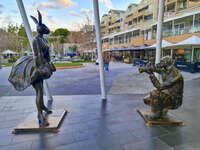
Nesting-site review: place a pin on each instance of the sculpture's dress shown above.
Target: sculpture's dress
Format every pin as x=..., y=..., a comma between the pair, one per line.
x=28, y=70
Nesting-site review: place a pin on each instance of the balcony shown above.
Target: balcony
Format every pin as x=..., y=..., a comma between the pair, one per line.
x=186, y=30
x=195, y=29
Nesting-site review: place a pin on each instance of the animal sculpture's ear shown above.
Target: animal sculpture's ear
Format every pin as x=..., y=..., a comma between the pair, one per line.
x=39, y=17
x=34, y=19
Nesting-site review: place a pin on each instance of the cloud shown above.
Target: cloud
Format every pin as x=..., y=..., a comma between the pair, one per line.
x=46, y=5
x=73, y=13
x=45, y=18
x=86, y=11
x=53, y=20
x=50, y=19
x=64, y=3
x=14, y=11
x=33, y=7
x=7, y=20
x=75, y=25
x=56, y=4
x=108, y=3
x=1, y=16
x=1, y=6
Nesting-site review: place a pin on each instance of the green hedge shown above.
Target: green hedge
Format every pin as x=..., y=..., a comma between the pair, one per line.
x=67, y=64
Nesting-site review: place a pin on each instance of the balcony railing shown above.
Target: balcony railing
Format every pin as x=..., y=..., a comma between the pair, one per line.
x=187, y=30
x=195, y=29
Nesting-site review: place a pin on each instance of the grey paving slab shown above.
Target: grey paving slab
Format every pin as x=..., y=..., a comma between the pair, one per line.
x=121, y=79
x=150, y=144
x=110, y=125
x=189, y=146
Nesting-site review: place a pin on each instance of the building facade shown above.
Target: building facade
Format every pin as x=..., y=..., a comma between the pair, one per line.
x=138, y=24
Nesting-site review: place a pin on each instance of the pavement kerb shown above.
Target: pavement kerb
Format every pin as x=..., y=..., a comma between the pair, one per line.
x=69, y=67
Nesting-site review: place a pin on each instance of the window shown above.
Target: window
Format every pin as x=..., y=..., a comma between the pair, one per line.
x=140, y=18
x=130, y=23
x=148, y=17
x=143, y=9
x=187, y=55
x=182, y=4
x=196, y=55
x=111, y=41
x=183, y=55
x=135, y=21
x=136, y=33
x=179, y=28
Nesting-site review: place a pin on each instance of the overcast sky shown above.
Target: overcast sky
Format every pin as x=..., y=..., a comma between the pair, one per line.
x=57, y=13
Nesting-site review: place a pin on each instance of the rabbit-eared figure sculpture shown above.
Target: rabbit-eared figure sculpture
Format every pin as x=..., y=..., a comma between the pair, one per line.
x=30, y=70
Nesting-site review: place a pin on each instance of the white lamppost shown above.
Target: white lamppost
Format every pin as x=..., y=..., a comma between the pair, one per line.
x=0, y=59
x=30, y=38
x=99, y=48
x=159, y=31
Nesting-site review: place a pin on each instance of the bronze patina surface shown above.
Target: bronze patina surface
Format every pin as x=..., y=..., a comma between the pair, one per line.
x=33, y=70
x=168, y=93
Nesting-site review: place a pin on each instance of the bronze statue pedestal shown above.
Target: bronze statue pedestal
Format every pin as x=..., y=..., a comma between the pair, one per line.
x=30, y=124
x=169, y=120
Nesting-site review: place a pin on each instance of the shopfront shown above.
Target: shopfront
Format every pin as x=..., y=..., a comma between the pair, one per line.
x=187, y=59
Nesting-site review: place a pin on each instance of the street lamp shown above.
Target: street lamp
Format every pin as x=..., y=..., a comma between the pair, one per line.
x=99, y=48
x=159, y=33
x=0, y=60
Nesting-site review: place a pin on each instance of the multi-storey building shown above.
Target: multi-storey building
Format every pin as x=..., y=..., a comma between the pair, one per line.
x=138, y=24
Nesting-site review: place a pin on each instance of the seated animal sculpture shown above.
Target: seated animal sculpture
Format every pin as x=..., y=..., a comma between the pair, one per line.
x=30, y=70
x=168, y=93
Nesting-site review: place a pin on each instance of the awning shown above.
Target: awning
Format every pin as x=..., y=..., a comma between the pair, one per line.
x=164, y=45
x=192, y=41
x=8, y=52
x=122, y=48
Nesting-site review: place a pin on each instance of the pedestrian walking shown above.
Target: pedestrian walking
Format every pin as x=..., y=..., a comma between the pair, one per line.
x=106, y=62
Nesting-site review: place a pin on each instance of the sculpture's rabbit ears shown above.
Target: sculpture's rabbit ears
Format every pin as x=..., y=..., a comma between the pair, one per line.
x=39, y=18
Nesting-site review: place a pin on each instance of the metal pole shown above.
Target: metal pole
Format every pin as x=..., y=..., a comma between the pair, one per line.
x=98, y=37
x=192, y=59
x=193, y=23
x=171, y=53
x=0, y=60
x=159, y=31
x=173, y=29
x=30, y=38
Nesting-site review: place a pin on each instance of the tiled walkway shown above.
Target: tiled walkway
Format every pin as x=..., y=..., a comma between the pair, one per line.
x=95, y=125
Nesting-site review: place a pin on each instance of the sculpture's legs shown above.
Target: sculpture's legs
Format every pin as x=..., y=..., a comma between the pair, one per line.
x=147, y=100
x=159, y=111
x=42, y=102
x=38, y=86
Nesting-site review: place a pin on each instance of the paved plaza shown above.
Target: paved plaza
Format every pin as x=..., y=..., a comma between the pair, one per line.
x=121, y=79
x=92, y=124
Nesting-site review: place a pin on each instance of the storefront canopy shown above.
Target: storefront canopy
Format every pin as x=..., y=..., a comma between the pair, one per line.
x=132, y=47
x=192, y=41
x=122, y=48
x=8, y=52
x=165, y=44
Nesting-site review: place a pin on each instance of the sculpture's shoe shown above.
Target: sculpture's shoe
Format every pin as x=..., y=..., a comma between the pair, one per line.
x=47, y=110
x=43, y=123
